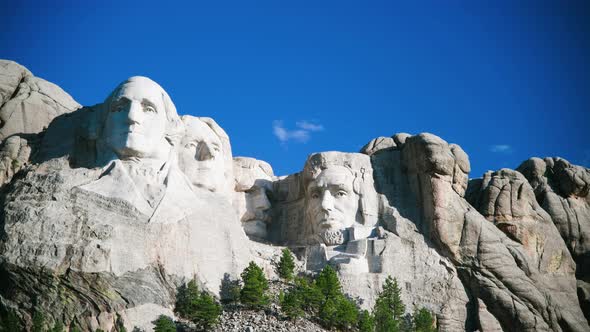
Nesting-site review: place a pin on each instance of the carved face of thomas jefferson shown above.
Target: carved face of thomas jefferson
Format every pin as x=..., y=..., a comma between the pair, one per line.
x=201, y=155
x=332, y=203
x=135, y=124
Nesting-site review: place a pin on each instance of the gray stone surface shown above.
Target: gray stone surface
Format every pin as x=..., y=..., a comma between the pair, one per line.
x=130, y=218
x=28, y=103
x=115, y=205
x=561, y=189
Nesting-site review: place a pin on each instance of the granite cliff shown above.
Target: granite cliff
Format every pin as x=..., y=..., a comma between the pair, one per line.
x=107, y=209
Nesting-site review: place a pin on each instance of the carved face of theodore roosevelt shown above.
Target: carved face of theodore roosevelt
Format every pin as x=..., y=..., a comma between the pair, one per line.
x=136, y=122
x=332, y=204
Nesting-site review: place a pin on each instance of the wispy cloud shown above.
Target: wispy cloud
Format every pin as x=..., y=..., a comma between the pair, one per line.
x=301, y=134
x=306, y=125
x=501, y=148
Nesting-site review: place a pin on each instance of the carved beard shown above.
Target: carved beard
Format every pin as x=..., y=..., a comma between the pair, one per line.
x=332, y=238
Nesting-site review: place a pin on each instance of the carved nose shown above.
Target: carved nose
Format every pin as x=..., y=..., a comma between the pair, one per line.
x=262, y=202
x=204, y=152
x=327, y=201
x=135, y=113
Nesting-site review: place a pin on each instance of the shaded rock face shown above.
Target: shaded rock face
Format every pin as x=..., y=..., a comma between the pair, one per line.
x=100, y=222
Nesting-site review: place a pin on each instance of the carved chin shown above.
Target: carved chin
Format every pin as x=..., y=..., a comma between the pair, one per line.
x=333, y=237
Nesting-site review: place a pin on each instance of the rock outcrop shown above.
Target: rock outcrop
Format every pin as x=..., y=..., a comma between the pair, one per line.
x=27, y=105
x=494, y=268
x=107, y=209
x=562, y=189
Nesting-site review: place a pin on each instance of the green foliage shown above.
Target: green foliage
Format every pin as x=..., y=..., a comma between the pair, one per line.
x=327, y=282
x=99, y=330
x=292, y=303
x=366, y=322
x=255, y=286
x=38, y=322
x=389, y=308
x=164, y=324
x=347, y=313
x=120, y=324
x=208, y=311
x=286, y=266
x=230, y=289
x=311, y=295
x=322, y=299
x=199, y=307
x=303, y=297
x=186, y=296
x=75, y=329
x=57, y=327
x=9, y=322
x=335, y=309
x=423, y=321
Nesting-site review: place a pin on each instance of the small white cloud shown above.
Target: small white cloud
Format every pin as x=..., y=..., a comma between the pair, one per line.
x=301, y=135
x=501, y=148
x=279, y=131
x=310, y=126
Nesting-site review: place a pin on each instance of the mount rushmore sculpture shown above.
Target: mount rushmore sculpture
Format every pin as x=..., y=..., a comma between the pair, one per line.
x=107, y=209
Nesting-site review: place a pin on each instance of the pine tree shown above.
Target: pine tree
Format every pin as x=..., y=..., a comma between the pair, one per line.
x=164, y=324
x=207, y=313
x=366, y=322
x=199, y=307
x=286, y=266
x=229, y=290
x=347, y=313
x=302, y=297
x=38, y=322
x=186, y=296
x=389, y=308
x=423, y=321
x=328, y=283
x=335, y=309
x=253, y=294
x=312, y=297
x=292, y=303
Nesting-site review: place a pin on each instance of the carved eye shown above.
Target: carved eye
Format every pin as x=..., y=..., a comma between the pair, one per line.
x=148, y=108
x=315, y=195
x=341, y=193
x=117, y=108
x=190, y=145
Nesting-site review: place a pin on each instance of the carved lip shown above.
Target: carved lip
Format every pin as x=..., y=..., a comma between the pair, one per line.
x=328, y=222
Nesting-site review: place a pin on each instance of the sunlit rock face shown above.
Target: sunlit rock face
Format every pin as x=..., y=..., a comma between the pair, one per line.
x=129, y=221
x=561, y=189
x=27, y=105
x=205, y=155
x=114, y=205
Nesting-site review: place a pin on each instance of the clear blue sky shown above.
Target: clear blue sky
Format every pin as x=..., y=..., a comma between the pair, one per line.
x=504, y=81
